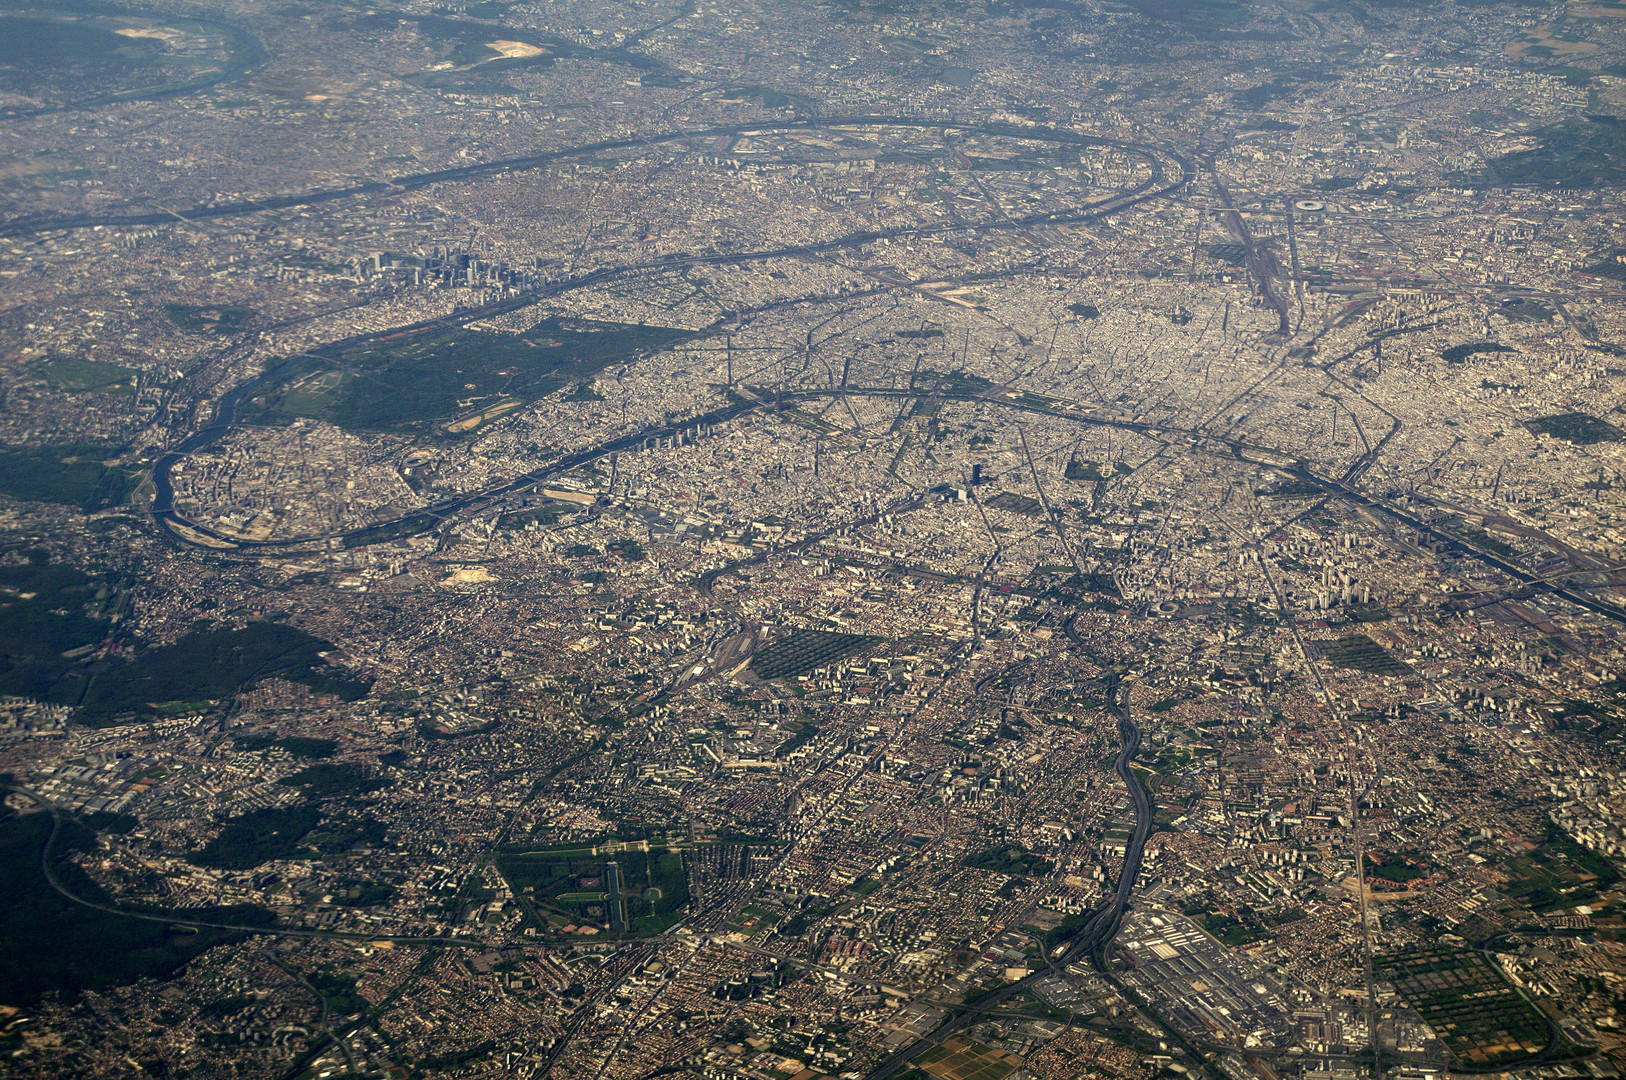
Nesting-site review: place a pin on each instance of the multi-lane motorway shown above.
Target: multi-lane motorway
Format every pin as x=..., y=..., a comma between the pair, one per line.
x=1091, y=940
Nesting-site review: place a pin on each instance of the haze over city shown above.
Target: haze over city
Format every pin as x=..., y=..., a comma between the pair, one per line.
x=785, y=539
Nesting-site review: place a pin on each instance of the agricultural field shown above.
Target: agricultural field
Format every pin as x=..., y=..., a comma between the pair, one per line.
x=961, y=1059
x=1482, y=1019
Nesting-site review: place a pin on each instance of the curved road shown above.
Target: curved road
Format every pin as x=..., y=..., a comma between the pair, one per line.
x=1153, y=187
x=1094, y=936
x=30, y=226
x=165, y=514
x=226, y=409
x=179, y=918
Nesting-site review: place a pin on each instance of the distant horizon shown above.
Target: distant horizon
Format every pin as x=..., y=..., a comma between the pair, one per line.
x=854, y=540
